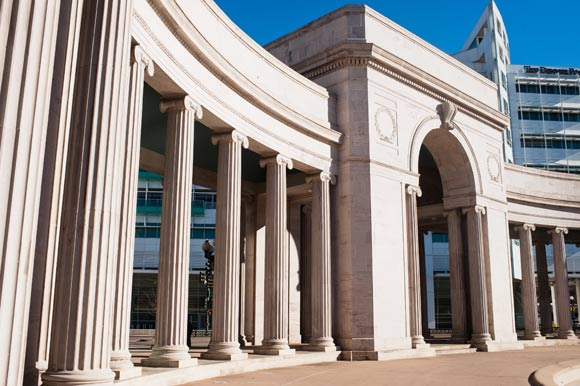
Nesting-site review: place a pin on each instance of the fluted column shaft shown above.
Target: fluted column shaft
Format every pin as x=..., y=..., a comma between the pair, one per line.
x=80, y=342
x=276, y=274
x=565, y=330
x=544, y=292
x=51, y=200
x=457, y=276
x=414, y=267
x=226, y=299
x=529, y=300
x=120, y=355
x=477, y=275
x=28, y=32
x=306, y=274
x=320, y=265
x=170, y=347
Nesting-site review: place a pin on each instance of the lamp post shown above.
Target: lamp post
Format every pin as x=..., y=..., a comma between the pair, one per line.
x=207, y=280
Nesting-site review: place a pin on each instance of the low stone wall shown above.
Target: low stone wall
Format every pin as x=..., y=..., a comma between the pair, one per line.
x=560, y=374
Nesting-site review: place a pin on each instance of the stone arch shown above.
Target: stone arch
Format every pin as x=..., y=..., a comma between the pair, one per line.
x=453, y=154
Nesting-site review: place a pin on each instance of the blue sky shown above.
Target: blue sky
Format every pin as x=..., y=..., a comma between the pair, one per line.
x=541, y=32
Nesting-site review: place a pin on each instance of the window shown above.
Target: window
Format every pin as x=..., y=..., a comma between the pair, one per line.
x=440, y=237
x=503, y=80
x=547, y=89
x=551, y=143
x=506, y=108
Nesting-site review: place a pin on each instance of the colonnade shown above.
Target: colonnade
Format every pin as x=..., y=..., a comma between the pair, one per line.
x=472, y=220
x=561, y=294
x=82, y=330
x=459, y=220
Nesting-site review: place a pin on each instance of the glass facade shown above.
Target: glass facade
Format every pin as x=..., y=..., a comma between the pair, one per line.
x=146, y=261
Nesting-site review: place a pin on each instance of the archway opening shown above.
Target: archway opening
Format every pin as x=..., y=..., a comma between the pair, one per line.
x=448, y=184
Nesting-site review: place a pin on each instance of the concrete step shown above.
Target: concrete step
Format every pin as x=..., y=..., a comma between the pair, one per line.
x=452, y=349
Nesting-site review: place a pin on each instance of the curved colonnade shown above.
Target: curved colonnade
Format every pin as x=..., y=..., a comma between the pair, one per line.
x=411, y=138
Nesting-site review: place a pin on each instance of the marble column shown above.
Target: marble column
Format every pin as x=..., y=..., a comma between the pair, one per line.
x=170, y=348
x=80, y=343
x=120, y=356
x=50, y=208
x=565, y=327
x=417, y=340
x=320, y=265
x=275, y=340
x=529, y=300
x=305, y=274
x=544, y=292
x=477, y=276
x=457, y=277
x=28, y=34
x=224, y=343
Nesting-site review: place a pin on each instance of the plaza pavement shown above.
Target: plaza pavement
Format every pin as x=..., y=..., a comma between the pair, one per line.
x=507, y=368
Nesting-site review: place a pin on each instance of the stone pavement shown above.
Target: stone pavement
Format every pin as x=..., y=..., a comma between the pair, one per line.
x=507, y=368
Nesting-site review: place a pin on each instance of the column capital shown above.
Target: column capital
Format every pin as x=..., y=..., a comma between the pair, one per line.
x=278, y=159
x=322, y=176
x=414, y=190
x=559, y=230
x=526, y=227
x=233, y=136
x=139, y=56
x=184, y=103
x=476, y=208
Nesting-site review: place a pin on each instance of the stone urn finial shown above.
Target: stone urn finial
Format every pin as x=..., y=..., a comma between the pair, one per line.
x=446, y=112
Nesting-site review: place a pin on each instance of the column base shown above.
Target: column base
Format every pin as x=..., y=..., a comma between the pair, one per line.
x=421, y=346
x=387, y=355
x=78, y=378
x=127, y=373
x=314, y=347
x=265, y=350
x=171, y=363
x=220, y=356
x=534, y=337
x=567, y=334
x=494, y=346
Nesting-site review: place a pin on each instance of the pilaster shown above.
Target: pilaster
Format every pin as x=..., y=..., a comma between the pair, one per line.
x=225, y=331
x=275, y=340
x=170, y=348
x=417, y=340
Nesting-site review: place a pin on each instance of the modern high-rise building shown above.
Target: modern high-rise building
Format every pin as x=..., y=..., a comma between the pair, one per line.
x=146, y=262
x=545, y=117
x=487, y=51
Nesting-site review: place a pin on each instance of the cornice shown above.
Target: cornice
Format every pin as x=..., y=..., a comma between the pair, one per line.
x=171, y=15
x=369, y=56
x=141, y=26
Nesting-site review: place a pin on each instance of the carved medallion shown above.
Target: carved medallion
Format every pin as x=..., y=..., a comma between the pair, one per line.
x=386, y=125
x=494, y=168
